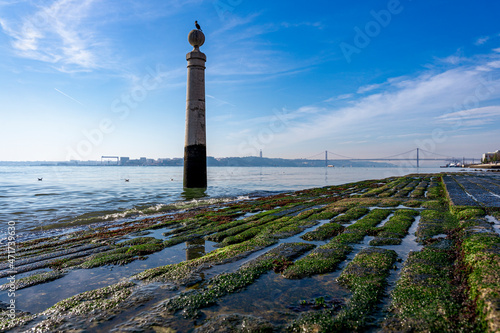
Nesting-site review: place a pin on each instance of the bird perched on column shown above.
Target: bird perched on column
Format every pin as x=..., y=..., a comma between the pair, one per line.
x=197, y=25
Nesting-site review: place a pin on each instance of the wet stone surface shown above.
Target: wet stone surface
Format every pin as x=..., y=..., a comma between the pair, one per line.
x=419, y=253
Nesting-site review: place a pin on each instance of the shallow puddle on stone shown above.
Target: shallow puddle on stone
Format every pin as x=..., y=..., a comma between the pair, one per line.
x=274, y=298
x=159, y=291
x=297, y=238
x=439, y=236
x=495, y=223
x=244, y=216
x=38, y=298
x=408, y=244
x=233, y=266
x=381, y=224
x=156, y=233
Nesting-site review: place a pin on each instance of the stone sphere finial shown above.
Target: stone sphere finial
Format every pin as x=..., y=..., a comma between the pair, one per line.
x=196, y=38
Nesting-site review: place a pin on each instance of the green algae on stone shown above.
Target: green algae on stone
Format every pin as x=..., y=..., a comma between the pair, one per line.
x=227, y=283
x=469, y=213
x=405, y=191
x=482, y=255
x=368, y=223
x=183, y=272
x=20, y=320
x=102, y=298
x=388, y=202
x=395, y=229
x=438, y=205
x=423, y=299
x=419, y=191
x=235, y=323
x=117, y=256
x=366, y=277
x=139, y=240
x=143, y=249
x=413, y=203
x=322, y=260
x=433, y=222
x=326, y=231
x=436, y=192
x=324, y=215
x=327, y=257
x=218, y=233
x=90, y=302
x=254, y=231
x=275, y=227
x=352, y=214
x=35, y=279
x=379, y=190
x=396, y=187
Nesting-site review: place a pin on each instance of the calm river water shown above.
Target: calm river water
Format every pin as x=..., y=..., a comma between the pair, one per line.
x=80, y=195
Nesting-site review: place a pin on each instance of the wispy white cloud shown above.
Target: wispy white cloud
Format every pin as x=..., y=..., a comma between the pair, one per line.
x=219, y=101
x=64, y=94
x=405, y=108
x=472, y=117
x=241, y=47
x=72, y=35
x=482, y=40
x=56, y=34
x=454, y=59
x=9, y=2
x=318, y=25
x=339, y=98
x=368, y=88
x=235, y=21
x=485, y=39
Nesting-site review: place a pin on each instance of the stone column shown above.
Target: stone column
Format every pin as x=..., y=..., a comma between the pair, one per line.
x=195, y=148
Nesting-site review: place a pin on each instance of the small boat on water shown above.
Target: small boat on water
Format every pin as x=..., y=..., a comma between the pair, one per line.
x=452, y=165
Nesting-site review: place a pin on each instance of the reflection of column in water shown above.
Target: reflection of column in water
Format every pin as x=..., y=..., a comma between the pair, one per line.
x=195, y=249
x=326, y=175
x=193, y=193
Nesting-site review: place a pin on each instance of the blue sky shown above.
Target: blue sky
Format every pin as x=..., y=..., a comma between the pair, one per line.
x=82, y=79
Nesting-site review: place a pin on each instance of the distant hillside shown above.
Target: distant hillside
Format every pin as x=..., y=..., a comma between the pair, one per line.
x=254, y=161
x=251, y=161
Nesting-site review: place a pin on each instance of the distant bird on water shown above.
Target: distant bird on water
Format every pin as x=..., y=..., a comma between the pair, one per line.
x=126, y=179
x=197, y=25
x=40, y=179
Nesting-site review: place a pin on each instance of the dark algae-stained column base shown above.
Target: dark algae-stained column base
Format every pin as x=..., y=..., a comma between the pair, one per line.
x=195, y=166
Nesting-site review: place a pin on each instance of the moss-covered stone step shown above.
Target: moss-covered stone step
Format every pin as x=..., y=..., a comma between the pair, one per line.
x=366, y=277
x=394, y=230
x=326, y=258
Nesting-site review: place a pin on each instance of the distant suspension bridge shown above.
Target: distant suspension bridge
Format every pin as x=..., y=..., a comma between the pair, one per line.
x=417, y=154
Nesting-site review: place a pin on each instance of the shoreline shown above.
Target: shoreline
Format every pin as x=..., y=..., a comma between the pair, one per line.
x=484, y=166
x=79, y=194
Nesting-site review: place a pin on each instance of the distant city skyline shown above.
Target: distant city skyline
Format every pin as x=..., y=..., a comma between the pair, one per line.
x=83, y=79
